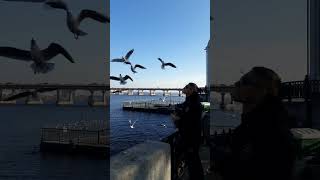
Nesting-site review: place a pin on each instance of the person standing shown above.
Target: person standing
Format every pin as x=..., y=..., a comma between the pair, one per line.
x=187, y=119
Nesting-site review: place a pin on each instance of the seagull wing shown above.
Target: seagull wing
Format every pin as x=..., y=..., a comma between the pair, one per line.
x=86, y=13
x=57, y=4
x=129, y=54
x=18, y=96
x=160, y=60
x=117, y=60
x=15, y=53
x=139, y=66
x=170, y=64
x=127, y=77
x=114, y=78
x=134, y=122
x=54, y=49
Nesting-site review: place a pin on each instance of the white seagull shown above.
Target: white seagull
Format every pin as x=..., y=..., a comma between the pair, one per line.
x=163, y=99
x=163, y=64
x=121, y=79
x=136, y=66
x=124, y=59
x=132, y=124
x=73, y=23
x=39, y=57
x=163, y=125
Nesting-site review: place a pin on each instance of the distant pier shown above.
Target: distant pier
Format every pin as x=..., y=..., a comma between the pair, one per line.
x=152, y=106
x=75, y=141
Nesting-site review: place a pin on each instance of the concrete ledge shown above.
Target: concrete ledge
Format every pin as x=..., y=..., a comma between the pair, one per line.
x=147, y=161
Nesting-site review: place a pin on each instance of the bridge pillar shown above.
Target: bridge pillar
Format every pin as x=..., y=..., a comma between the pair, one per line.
x=90, y=98
x=231, y=99
x=103, y=96
x=150, y=93
x=58, y=96
x=27, y=100
x=72, y=96
x=0, y=94
x=222, y=105
x=179, y=93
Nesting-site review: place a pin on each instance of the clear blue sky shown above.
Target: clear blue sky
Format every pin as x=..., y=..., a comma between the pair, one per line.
x=176, y=31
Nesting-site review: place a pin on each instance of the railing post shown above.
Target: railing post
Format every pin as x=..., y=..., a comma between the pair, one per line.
x=98, y=137
x=308, y=101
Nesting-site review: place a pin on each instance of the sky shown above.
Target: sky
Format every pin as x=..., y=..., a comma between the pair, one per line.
x=176, y=31
x=25, y=20
x=258, y=33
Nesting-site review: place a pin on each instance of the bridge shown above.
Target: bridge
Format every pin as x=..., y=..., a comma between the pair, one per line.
x=65, y=93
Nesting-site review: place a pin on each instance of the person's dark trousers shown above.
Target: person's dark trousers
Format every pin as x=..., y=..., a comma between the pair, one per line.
x=194, y=164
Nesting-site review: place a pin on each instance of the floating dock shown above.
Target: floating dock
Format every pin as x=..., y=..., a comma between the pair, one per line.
x=74, y=141
x=152, y=106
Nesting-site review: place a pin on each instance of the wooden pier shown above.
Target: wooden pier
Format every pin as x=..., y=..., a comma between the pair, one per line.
x=152, y=106
x=74, y=141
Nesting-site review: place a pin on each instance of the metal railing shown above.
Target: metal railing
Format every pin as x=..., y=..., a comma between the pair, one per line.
x=177, y=156
x=72, y=136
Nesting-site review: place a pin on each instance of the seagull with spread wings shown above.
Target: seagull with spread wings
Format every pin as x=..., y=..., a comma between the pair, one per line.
x=121, y=79
x=124, y=59
x=163, y=64
x=133, y=68
x=73, y=22
x=39, y=57
x=34, y=94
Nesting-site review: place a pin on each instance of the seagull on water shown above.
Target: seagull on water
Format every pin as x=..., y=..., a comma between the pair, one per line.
x=121, y=79
x=73, y=22
x=124, y=59
x=34, y=94
x=132, y=124
x=163, y=125
x=163, y=64
x=136, y=66
x=39, y=57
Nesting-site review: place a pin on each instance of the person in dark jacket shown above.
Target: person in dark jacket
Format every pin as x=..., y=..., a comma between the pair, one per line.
x=187, y=119
x=261, y=146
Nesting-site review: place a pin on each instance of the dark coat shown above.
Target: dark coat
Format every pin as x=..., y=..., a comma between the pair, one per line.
x=262, y=146
x=189, y=125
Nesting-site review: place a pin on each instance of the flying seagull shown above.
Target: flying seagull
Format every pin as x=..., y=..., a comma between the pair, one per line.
x=39, y=57
x=121, y=79
x=135, y=66
x=132, y=124
x=163, y=64
x=73, y=22
x=29, y=93
x=124, y=59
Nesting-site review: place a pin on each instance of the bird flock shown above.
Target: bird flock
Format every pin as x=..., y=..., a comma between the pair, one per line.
x=40, y=57
x=125, y=60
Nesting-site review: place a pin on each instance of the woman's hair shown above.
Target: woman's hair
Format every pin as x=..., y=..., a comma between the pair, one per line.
x=267, y=79
x=192, y=86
